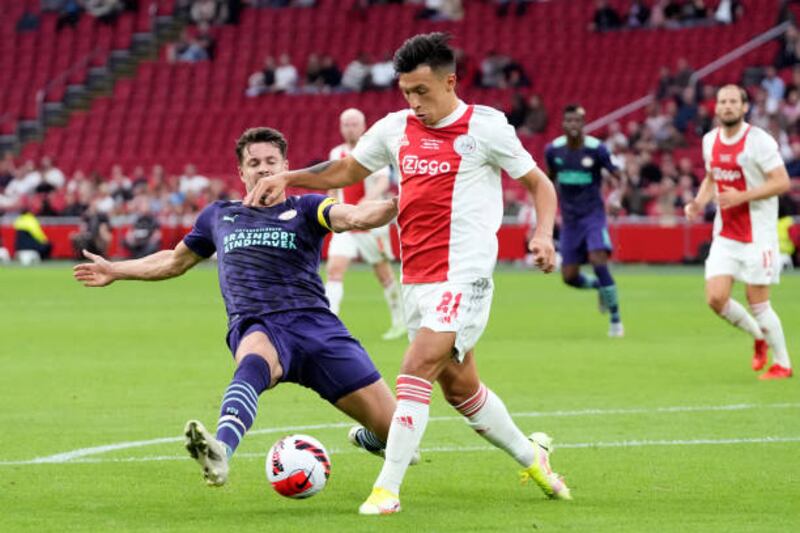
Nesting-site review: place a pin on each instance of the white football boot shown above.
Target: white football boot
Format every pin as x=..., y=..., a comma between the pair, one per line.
x=208, y=452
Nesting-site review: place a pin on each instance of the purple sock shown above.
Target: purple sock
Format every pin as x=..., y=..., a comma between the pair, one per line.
x=240, y=403
x=608, y=291
x=582, y=282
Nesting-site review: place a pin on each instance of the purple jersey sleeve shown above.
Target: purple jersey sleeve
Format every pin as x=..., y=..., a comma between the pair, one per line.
x=605, y=159
x=201, y=239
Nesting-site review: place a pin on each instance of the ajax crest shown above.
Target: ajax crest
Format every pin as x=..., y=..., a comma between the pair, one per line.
x=465, y=144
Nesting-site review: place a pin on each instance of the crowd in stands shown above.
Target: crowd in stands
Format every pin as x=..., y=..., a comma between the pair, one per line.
x=665, y=14
x=321, y=74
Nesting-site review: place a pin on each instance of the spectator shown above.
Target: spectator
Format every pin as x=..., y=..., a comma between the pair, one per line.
x=687, y=109
x=68, y=14
x=615, y=137
x=206, y=11
x=356, y=74
x=382, y=73
x=29, y=21
x=441, y=10
x=144, y=237
x=504, y=5
x=793, y=163
x=191, y=182
x=788, y=51
x=535, y=117
x=255, y=84
x=638, y=14
x=760, y=109
x=94, y=233
x=313, y=78
x=492, y=75
x=729, y=11
x=683, y=74
x=30, y=236
x=119, y=186
x=51, y=178
x=694, y=11
x=775, y=87
x=519, y=109
x=331, y=75
x=106, y=11
x=514, y=76
x=605, y=17
x=774, y=129
x=286, y=76
x=664, y=89
x=790, y=110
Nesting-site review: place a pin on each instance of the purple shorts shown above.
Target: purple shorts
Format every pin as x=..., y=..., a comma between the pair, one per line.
x=579, y=238
x=315, y=350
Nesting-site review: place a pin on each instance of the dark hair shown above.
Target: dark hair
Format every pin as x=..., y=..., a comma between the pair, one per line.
x=430, y=49
x=260, y=135
x=574, y=108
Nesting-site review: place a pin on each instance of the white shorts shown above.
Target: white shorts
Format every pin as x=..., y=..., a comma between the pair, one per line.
x=754, y=263
x=372, y=246
x=450, y=306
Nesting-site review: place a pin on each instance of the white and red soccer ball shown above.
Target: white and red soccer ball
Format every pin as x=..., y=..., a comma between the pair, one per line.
x=298, y=466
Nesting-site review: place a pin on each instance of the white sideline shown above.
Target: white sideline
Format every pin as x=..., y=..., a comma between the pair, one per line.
x=451, y=449
x=76, y=456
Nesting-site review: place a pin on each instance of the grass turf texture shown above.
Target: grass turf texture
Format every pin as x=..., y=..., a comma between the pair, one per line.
x=84, y=368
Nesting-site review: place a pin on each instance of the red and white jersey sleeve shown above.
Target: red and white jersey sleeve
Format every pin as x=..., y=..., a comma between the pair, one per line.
x=352, y=194
x=741, y=163
x=451, y=202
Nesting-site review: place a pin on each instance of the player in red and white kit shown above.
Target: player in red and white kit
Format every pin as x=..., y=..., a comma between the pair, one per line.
x=744, y=167
x=449, y=155
x=373, y=246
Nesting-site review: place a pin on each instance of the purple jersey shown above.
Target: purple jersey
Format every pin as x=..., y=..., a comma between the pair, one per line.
x=578, y=176
x=267, y=257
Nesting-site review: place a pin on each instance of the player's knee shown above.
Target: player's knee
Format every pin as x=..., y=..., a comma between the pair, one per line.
x=716, y=302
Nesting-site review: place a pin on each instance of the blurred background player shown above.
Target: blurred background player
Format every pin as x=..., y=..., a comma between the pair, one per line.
x=449, y=155
x=575, y=163
x=279, y=324
x=744, y=167
x=373, y=246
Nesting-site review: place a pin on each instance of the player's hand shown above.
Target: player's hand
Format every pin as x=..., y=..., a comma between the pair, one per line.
x=692, y=210
x=544, y=253
x=98, y=273
x=730, y=197
x=267, y=191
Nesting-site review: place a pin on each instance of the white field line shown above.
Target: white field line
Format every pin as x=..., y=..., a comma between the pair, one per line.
x=454, y=449
x=75, y=455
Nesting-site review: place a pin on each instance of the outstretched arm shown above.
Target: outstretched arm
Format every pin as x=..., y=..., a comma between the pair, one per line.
x=323, y=176
x=544, y=201
x=366, y=215
x=160, y=265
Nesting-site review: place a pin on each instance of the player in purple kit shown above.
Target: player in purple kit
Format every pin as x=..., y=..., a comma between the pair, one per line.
x=280, y=327
x=576, y=163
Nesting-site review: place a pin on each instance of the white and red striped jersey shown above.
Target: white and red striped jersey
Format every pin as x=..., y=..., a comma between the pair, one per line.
x=741, y=163
x=451, y=202
x=352, y=194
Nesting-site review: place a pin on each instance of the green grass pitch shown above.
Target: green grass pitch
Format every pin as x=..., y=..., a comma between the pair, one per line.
x=667, y=429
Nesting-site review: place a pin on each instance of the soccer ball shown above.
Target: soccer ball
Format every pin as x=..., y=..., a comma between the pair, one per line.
x=298, y=466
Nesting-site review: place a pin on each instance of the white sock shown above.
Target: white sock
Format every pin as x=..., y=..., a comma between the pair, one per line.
x=736, y=314
x=395, y=303
x=770, y=324
x=408, y=425
x=488, y=416
x=334, y=290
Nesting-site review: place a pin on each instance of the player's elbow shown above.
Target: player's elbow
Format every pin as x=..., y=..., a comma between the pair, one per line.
x=785, y=184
